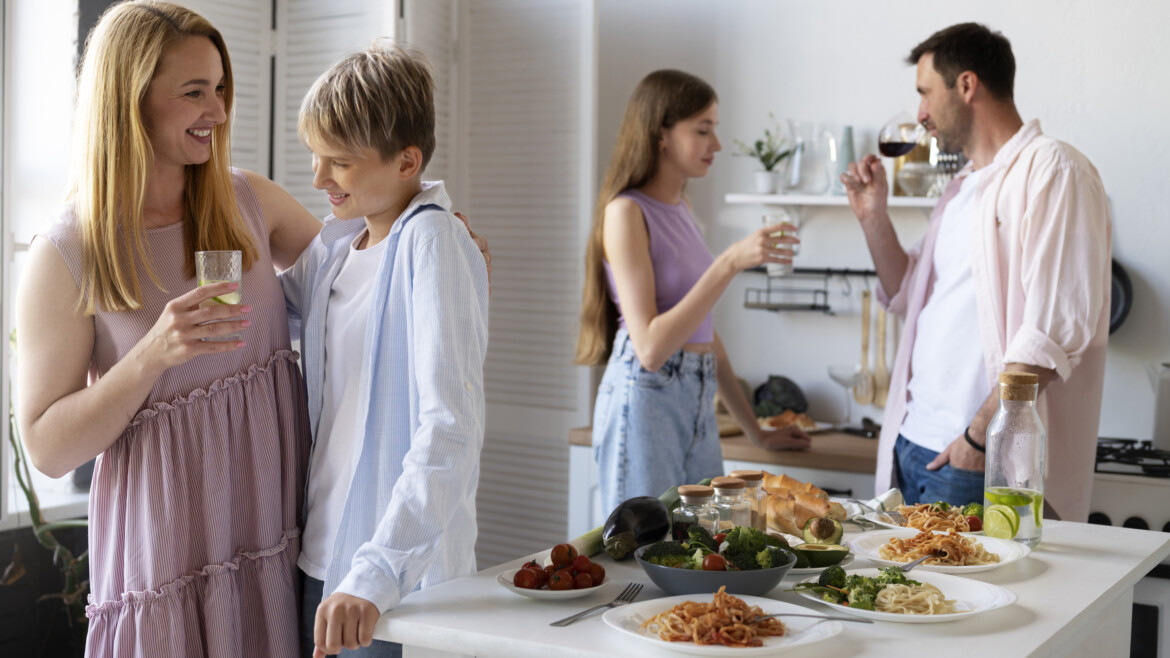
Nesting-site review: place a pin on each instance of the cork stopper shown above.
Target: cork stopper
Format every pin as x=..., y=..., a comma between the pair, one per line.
x=695, y=491
x=1018, y=386
x=747, y=476
x=728, y=483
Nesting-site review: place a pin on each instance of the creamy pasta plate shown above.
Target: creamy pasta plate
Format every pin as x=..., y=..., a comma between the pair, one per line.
x=971, y=597
x=801, y=631
x=868, y=545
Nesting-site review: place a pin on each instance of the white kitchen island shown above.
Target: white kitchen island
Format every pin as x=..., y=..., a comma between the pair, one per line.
x=1075, y=599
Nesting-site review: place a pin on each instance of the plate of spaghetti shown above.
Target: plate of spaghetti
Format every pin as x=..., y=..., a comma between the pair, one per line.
x=924, y=516
x=953, y=552
x=924, y=598
x=720, y=626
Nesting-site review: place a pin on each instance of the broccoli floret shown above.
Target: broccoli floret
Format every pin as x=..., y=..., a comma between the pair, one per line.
x=973, y=509
x=940, y=506
x=667, y=554
x=862, y=598
x=747, y=540
x=834, y=576
x=742, y=560
x=772, y=556
x=697, y=535
x=894, y=576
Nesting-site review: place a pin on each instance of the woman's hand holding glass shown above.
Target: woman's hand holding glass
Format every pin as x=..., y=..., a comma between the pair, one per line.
x=177, y=336
x=770, y=244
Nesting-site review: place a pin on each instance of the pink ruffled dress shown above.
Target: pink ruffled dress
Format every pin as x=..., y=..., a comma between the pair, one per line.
x=195, y=509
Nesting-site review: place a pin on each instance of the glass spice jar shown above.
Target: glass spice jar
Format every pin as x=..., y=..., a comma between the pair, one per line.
x=695, y=509
x=755, y=495
x=729, y=502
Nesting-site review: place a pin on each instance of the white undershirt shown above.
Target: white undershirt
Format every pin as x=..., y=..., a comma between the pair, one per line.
x=948, y=380
x=338, y=444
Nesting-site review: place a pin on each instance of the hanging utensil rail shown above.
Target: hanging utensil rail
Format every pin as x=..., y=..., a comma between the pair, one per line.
x=800, y=291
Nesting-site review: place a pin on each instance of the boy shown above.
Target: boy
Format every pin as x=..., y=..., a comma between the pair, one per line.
x=392, y=302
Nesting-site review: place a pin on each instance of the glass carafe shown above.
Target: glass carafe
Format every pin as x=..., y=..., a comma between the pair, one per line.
x=812, y=163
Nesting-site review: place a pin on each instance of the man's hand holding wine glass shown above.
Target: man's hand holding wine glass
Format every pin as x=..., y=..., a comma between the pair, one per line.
x=865, y=183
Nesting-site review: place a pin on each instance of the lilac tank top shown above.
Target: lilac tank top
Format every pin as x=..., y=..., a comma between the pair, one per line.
x=678, y=253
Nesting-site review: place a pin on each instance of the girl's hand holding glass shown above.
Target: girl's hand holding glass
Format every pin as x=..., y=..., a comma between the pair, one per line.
x=178, y=334
x=770, y=244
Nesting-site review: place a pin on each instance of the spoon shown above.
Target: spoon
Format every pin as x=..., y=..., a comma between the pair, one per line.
x=910, y=565
x=793, y=614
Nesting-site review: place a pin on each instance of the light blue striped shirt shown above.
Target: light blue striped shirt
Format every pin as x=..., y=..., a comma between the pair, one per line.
x=409, y=517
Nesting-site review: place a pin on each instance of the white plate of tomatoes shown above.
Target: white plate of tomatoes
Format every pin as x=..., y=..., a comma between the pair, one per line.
x=568, y=576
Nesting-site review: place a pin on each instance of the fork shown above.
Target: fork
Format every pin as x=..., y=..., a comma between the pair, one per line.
x=628, y=595
x=910, y=565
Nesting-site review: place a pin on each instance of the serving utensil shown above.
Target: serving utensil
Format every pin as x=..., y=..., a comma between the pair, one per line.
x=627, y=596
x=794, y=614
x=863, y=391
x=881, y=374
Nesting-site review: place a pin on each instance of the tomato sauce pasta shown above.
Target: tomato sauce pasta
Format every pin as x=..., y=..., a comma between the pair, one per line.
x=726, y=620
x=950, y=549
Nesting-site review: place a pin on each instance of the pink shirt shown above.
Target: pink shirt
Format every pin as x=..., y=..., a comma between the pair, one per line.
x=1040, y=259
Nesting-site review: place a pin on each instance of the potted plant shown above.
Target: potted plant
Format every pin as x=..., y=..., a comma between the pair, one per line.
x=770, y=152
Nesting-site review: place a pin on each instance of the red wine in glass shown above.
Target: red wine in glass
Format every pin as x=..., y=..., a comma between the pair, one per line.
x=900, y=135
x=895, y=149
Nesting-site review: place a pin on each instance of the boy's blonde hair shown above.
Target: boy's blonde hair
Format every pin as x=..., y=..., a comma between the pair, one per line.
x=112, y=155
x=381, y=98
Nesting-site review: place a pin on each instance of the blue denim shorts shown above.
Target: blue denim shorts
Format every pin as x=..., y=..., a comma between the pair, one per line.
x=956, y=486
x=654, y=430
x=312, y=593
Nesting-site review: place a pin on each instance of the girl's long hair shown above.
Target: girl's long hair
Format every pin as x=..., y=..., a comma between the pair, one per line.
x=112, y=155
x=660, y=100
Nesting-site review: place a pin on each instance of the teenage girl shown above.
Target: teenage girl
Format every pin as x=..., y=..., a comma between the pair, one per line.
x=650, y=285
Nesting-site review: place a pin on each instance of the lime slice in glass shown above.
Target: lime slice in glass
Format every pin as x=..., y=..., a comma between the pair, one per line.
x=998, y=525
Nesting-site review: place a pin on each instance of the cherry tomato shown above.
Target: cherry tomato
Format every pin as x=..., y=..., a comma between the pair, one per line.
x=975, y=522
x=539, y=572
x=583, y=581
x=714, y=562
x=563, y=554
x=550, y=570
x=720, y=537
x=581, y=563
x=597, y=572
x=525, y=579
x=562, y=579
x=532, y=564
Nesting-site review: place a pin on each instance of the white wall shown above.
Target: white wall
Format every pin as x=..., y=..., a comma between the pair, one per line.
x=1094, y=73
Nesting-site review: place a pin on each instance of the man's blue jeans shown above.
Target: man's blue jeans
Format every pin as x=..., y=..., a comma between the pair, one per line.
x=956, y=486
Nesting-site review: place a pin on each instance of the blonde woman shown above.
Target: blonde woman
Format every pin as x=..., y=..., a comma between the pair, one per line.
x=201, y=446
x=650, y=285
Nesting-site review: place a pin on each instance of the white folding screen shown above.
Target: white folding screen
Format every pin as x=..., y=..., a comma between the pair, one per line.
x=430, y=28
x=310, y=36
x=247, y=30
x=526, y=130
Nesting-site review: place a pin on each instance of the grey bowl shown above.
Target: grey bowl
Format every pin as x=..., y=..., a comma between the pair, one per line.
x=690, y=581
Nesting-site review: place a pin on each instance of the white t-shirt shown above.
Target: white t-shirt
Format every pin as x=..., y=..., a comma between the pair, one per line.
x=338, y=444
x=948, y=380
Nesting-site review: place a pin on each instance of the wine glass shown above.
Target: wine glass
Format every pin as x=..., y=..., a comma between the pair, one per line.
x=848, y=377
x=900, y=135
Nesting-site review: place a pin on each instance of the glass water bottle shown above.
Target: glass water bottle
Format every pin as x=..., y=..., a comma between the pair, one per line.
x=730, y=504
x=755, y=495
x=696, y=509
x=1014, y=480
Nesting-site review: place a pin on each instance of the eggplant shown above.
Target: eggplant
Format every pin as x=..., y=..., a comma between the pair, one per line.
x=636, y=522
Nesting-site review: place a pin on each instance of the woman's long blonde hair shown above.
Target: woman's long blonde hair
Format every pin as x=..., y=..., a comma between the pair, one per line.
x=660, y=100
x=112, y=156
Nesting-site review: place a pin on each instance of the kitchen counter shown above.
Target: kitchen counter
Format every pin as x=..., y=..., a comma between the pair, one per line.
x=1075, y=598
x=833, y=451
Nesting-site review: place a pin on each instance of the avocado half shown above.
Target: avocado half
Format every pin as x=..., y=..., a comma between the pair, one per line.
x=822, y=555
x=822, y=530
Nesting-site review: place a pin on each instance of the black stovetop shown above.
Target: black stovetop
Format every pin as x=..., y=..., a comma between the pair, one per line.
x=1132, y=457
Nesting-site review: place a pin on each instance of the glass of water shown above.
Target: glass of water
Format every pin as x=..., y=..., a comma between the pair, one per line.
x=220, y=267
x=781, y=216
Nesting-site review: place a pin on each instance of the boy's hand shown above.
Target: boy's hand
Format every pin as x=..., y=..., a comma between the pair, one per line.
x=480, y=242
x=343, y=622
